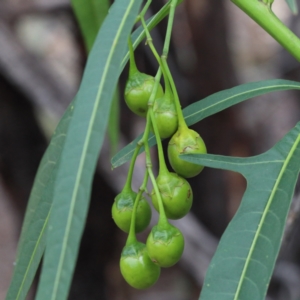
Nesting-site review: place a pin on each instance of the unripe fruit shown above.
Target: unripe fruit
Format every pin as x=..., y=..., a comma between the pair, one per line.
x=137, y=268
x=122, y=211
x=176, y=194
x=185, y=141
x=165, y=116
x=165, y=245
x=138, y=91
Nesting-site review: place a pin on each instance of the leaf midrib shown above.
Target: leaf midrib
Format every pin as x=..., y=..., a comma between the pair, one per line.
x=82, y=159
x=269, y=202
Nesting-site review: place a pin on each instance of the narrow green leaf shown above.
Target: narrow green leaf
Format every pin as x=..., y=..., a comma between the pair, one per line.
x=114, y=123
x=293, y=6
x=33, y=238
x=244, y=261
x=90, y=15
x=213, y=104
x=79, y=155
x=227, y=98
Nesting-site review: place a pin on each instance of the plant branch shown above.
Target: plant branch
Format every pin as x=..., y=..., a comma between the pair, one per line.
x=262, y=14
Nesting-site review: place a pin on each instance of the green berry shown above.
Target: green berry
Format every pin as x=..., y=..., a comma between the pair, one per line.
x=165, y=116
x=122, y=211
x=185, y=141
x=165, y=245
x=137, y=268
x=138, y=91
x=176, y=194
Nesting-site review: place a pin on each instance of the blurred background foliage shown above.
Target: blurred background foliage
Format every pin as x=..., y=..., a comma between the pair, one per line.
x=214, y=46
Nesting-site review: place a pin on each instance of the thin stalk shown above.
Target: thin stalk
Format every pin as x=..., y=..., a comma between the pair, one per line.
x=181, y=121
x=132, y=65
x=173, y=5
x=168, y=90
x=262, y=14
x=162, y=215
x=131, y=236
x=151, y=23
x=154, y=51
x=144, y=137
x=150, y=41
x=165, y=67
x=162, y=163
x=144, y=10
x=127, y=185
x=155, y=87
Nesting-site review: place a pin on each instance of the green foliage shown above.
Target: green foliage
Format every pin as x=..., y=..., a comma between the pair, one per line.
x=82, y=145
x=33, y=236
x=58, y=204
x=90, y=15
x=66, y=171
x=293, y=6
x=243, y=263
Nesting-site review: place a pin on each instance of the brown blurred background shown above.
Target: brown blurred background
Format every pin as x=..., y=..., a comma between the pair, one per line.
x=215, y=46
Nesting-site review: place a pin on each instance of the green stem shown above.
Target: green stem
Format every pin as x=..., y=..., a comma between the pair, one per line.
x=131, y=236
x=127, y=185
x=168, y=90
x=153, y=49
x=162, y=215
x=144, y=141
x=132, y=65
x=142, y=13
x=262, y=14
x=139, y=35
x=169, y=28
x=167, y=73
x=162, y=163
x=155, y=87
x=181, y=121
x=149, y=41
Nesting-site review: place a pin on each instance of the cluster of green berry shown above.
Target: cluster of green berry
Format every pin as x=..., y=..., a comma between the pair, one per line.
x=172, y=195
